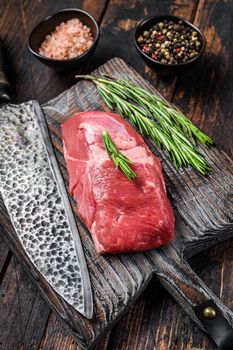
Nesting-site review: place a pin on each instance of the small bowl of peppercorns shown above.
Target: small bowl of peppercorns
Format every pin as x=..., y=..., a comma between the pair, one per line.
x=168, y=44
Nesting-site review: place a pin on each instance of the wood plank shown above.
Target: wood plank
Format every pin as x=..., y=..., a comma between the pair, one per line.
x=23, y=311
x=207, y=99
x=5, y=256
x=57, y=337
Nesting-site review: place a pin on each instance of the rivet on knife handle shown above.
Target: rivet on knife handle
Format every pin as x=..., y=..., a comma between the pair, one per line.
x=215, y=323
x=4, y=84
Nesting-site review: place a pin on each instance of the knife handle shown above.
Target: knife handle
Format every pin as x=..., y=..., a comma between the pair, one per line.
x=4, y=84
x=194, y=297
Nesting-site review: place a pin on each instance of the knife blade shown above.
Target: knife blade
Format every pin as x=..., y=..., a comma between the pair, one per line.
x=35, y=196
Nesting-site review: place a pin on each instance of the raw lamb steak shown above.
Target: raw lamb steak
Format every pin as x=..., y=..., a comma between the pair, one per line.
x=122, y=215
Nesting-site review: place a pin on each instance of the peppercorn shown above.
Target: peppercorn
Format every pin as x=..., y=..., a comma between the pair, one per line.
x=146, y=34
x=140, y=39
x=177, y=28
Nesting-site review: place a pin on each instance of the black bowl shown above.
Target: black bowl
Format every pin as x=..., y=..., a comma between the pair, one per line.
x=48, y=25
x=164, y=68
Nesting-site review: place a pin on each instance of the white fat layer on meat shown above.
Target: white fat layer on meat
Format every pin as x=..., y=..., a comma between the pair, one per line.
x=93, y=226
x=91, y=133
x=86, y=177
x=64, y=149
x=95, y=238
x=148, y=186
x=95, y=126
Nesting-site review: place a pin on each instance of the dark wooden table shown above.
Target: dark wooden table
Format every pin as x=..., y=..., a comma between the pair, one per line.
x=205, y=94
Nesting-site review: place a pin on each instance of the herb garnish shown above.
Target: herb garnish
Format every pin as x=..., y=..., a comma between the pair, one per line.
x=154, y=117
x=120, y=160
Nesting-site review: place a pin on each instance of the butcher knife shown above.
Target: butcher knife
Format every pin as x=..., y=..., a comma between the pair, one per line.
x=36, y=199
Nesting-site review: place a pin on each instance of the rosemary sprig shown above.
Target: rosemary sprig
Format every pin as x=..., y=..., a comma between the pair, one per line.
x=163, y=112
x=120, y=160
x=155, y=118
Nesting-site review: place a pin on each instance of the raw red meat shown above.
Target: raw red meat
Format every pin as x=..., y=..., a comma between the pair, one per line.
x=122, y=215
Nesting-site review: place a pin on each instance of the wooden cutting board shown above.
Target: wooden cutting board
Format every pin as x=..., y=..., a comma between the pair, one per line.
x=204, y=217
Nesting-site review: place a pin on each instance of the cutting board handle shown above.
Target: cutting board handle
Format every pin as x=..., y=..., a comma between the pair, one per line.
x=197, y=300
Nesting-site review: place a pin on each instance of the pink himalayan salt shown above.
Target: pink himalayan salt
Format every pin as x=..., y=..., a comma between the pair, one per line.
x=70, y=39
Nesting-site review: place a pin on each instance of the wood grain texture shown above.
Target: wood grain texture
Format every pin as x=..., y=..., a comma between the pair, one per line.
x=161, y=331
x=156, y=322
x=208, y=101
x=20, y=310
x=56, y=337
x=5, y=256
